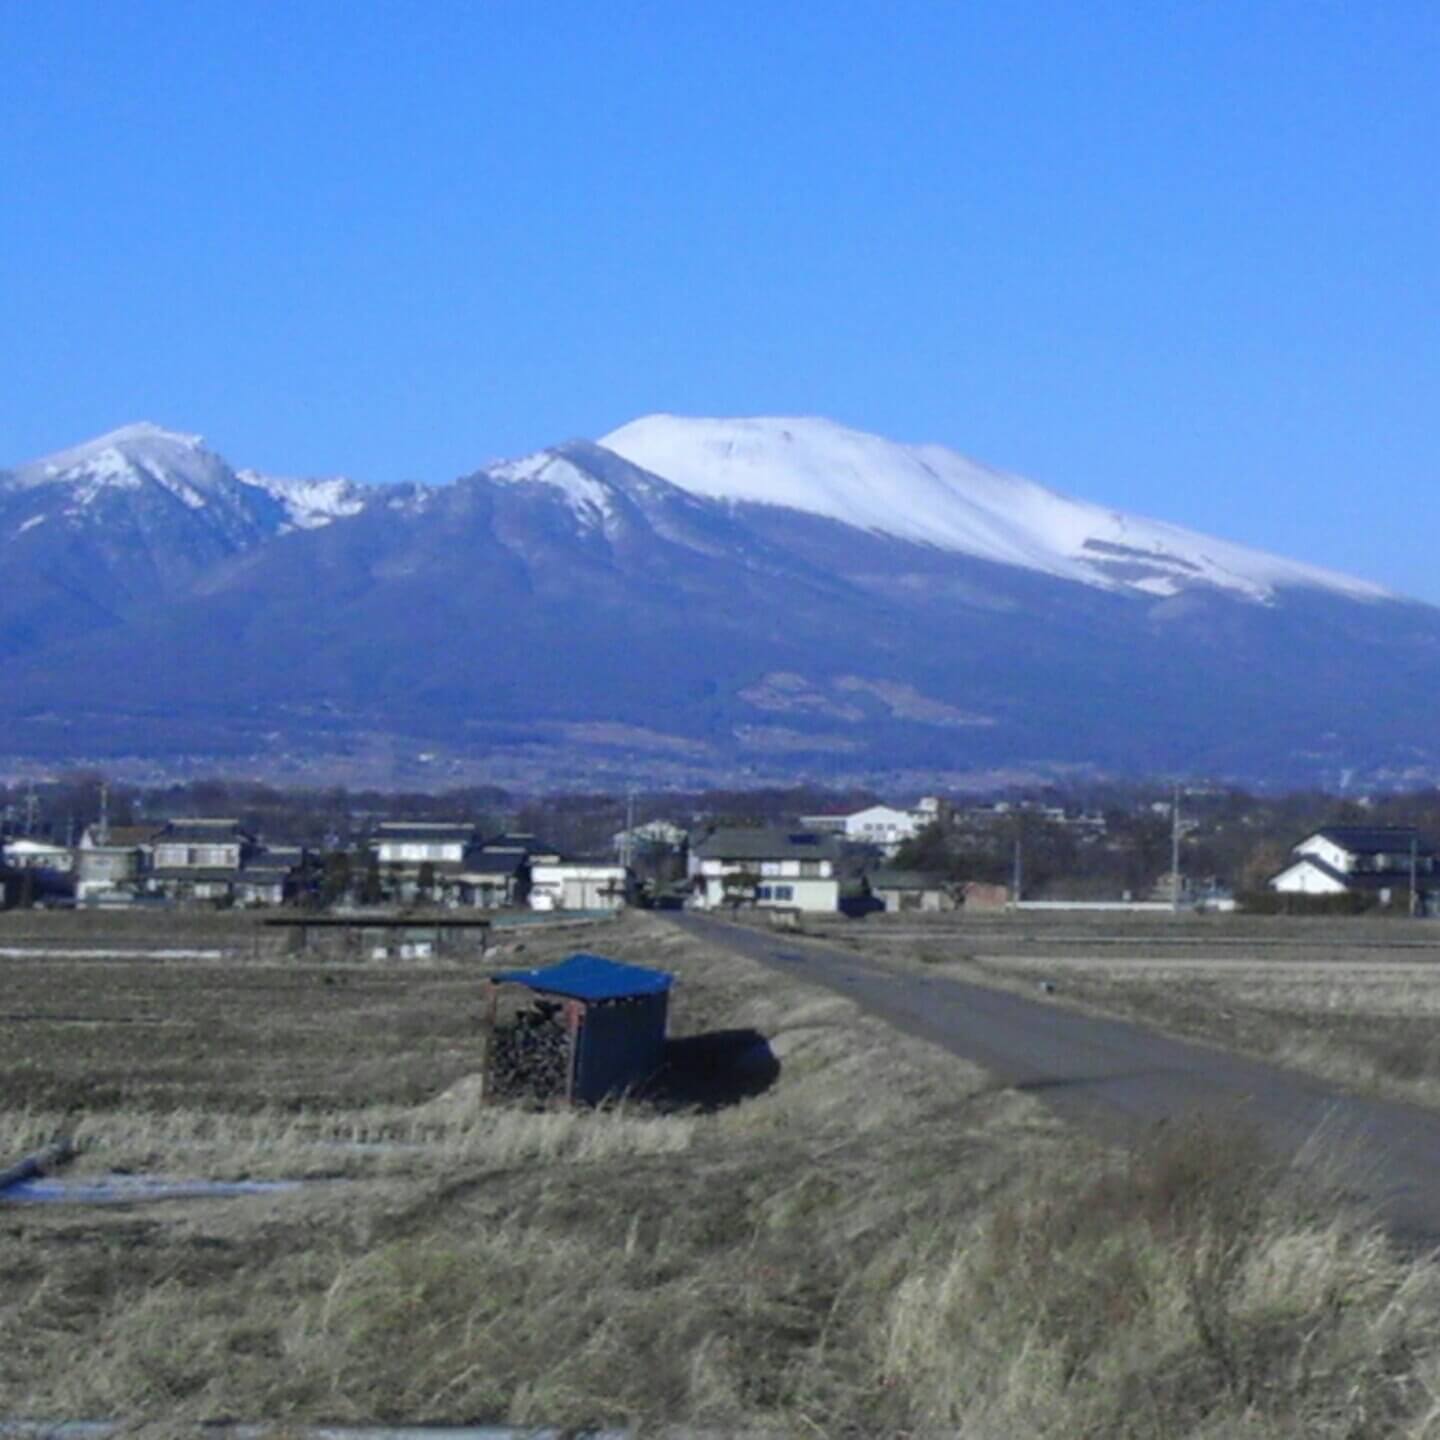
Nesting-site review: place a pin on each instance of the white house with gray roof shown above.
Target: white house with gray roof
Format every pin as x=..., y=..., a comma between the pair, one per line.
x=768, y=868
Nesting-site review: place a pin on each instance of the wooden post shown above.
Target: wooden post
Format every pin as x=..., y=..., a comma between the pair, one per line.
x=574, y=1023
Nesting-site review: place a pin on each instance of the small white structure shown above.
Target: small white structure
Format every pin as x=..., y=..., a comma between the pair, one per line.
x=412, y=843
x=883, y=826
x=1350, y=859
x=559, y=885
x=27, y=854
x=658, y=834
x=770, y=869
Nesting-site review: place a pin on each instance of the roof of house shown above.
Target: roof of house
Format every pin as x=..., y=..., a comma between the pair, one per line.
x=495, y=862
x=202, y=830
x=521, y=840
x=126, y=836
x=887, y=879
x=1351, y=880
x=1375, y=839
x=432, y=831
x=766, y=844
x=590, y=977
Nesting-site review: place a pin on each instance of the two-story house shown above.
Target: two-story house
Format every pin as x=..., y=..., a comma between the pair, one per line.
x=463, y=869
x=200, y=859
x=112, y=861
x=769, y=868
x=1376, y=860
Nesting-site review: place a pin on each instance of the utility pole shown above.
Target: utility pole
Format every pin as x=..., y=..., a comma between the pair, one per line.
x=1017, y=882
x=103, y=831
x=627, y=841
x=1414, y=875
x=1175, y=853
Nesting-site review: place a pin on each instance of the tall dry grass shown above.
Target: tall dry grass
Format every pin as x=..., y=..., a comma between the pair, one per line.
x=381, y=1140
x=882, y=1244
x=1192, y=1289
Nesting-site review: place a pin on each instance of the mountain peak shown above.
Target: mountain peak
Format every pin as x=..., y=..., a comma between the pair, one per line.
x=931, y=495
x=125, y=458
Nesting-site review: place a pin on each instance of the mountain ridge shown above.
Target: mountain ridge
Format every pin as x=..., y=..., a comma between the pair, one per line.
x=572, y=616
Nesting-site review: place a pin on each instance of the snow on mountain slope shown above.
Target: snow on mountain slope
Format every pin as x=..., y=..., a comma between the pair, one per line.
x=128, y=459
x=308, y=503
x=587, y=498
x=143, y=456
x=934, y=496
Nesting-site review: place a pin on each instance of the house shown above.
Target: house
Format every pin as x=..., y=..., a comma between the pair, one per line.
x=436, y=850
x=409, y=844
x=271, y=875
x=491, y=880
x=103, y=869
x=42, y=856
x=1374, y=860
x=771, y=868
x=911, y=890
x=883, y=826
x=220, y=862
x=190, y=845
x=579, y=885
x=500, y=874
x=198, y=860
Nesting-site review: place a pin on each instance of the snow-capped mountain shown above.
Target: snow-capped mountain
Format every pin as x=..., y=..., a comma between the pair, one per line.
x=133, y=519
x=136, y=469
x=690, y=600
x=933, y=495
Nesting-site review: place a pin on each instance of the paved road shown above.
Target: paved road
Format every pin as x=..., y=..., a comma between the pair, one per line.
x=1117, y=1078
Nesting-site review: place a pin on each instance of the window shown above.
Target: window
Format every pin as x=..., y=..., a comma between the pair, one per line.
x=812, y=869
x=784, y=892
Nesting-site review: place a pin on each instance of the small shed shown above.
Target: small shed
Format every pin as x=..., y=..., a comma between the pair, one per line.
x=912, y=890
x=602, y=1019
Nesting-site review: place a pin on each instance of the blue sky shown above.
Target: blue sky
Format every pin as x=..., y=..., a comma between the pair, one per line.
x=1177, y=257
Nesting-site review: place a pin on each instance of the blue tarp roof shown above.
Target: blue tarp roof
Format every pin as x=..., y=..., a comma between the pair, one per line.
x=591, y=977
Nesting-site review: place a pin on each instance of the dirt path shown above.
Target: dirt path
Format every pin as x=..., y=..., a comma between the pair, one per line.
x=1117, y=1078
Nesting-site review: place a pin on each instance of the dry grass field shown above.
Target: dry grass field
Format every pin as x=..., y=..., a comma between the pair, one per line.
x=1354, y=1000
x=882, y=1241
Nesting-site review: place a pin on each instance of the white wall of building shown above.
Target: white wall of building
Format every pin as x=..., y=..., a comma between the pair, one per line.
x=578, y=887
x=774, y=884
x=1305, y=879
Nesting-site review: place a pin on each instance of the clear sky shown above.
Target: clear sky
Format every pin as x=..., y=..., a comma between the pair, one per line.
x=1183, y=258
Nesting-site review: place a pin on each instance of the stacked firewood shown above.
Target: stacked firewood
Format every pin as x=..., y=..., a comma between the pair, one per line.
x=530, y=1056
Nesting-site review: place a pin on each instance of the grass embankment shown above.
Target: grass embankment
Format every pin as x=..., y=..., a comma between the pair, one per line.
x=880, y=1242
